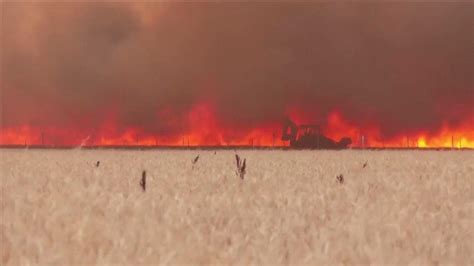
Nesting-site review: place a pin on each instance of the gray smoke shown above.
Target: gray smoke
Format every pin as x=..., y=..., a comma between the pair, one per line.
x=404, y=65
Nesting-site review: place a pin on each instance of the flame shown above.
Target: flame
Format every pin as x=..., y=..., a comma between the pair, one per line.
x=204, y=128
x=421, y=143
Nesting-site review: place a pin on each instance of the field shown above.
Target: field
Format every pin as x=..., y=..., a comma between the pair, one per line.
x=404, y=207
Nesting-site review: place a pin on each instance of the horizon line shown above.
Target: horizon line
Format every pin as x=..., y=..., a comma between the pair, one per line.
x=204, y=147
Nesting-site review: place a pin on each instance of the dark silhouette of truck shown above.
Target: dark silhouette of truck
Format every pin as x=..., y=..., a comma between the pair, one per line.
x=310, y=137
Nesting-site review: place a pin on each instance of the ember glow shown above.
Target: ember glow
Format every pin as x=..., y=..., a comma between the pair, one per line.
x=393, y=75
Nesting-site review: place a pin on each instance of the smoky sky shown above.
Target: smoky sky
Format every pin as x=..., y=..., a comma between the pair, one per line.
x=404, y=65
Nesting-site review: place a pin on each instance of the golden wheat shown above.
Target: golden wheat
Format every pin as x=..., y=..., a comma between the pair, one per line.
x=405, y=207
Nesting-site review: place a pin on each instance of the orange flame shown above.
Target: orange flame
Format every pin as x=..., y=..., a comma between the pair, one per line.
x=203, y=129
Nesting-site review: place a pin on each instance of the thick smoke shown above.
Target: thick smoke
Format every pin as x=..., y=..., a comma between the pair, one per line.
x=405, y=66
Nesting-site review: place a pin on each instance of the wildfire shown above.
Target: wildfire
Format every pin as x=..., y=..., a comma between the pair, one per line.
x=203, y=128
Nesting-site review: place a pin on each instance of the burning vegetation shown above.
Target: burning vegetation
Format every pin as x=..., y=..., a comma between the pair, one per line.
x=227, y=74
x=204, y=129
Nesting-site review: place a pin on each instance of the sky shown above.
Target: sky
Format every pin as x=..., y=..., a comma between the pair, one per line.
x=406, y=66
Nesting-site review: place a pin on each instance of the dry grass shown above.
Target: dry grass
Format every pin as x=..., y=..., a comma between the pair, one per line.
x=404, y=207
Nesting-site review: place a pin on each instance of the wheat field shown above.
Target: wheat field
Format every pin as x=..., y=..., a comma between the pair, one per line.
x=402, y=208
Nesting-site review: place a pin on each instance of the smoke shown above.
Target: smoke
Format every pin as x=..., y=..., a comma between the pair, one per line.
x=405, y=66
